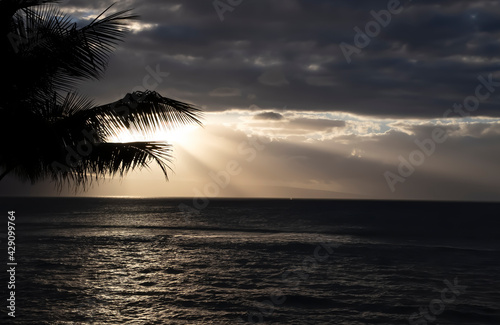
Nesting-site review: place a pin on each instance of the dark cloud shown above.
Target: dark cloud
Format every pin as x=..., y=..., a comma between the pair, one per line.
x=287, y=53
x=268, y=116
x=225, y=92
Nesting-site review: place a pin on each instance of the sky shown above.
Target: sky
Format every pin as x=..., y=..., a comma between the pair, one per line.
x=313, y=99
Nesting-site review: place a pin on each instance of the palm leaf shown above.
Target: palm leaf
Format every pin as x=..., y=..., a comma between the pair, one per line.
x=92, y=44
x=144, y=112
x=111, y=159
x=57, y=53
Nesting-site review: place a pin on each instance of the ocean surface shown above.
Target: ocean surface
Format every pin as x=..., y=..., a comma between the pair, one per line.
x=149, y=261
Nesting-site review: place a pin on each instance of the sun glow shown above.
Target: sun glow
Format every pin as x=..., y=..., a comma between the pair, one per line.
x=181, y=136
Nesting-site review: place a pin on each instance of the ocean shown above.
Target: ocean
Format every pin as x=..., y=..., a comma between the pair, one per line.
x=266, y=261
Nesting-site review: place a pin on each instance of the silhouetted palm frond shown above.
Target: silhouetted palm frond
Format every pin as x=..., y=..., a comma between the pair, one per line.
x=110, y=159
x=144, y=112
x=47, y=43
